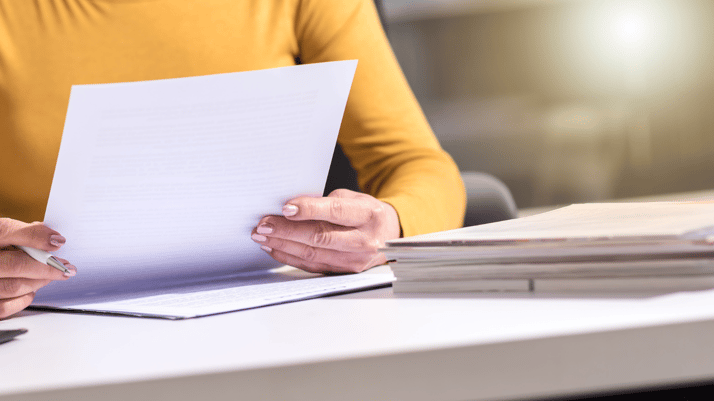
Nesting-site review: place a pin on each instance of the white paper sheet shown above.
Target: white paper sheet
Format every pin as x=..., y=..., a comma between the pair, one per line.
x=159, y=183
x=269, y=288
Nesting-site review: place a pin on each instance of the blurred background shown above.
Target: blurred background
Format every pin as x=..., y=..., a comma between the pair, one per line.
x=566, y=100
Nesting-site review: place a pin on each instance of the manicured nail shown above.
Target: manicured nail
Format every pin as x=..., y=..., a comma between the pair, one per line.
x=266, y=248
x=264, y=229
x=57, y=240
x=258, y=238
x=72, y=271
x=290, y=210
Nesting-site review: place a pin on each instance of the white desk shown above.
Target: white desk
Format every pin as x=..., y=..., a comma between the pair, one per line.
x=370, y=345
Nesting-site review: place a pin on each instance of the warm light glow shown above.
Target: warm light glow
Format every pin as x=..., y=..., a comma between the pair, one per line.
x=635, y=47
x=632, y=28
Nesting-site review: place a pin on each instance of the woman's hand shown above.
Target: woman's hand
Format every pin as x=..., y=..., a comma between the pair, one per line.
x=340, y=233
x=20, y=275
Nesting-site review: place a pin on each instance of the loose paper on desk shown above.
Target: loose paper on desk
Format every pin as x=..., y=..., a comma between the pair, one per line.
x=607, y=221
x=158, y=183
x=606, y=247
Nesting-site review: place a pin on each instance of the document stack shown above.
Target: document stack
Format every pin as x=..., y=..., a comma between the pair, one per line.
x=610, y=247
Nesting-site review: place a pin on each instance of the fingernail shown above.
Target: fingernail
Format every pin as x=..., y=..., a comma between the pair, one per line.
x=72, y=271
x=266, y=248
x=258, y=238
x=264, y=229
x=57, y=240
x=290, y=210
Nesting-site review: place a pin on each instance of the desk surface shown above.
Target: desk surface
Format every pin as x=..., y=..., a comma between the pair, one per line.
x=368, y=345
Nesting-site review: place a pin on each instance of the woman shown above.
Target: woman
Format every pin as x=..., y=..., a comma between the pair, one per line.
x=410, y=185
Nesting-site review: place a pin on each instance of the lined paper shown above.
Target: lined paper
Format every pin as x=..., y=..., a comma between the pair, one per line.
x=159, y=183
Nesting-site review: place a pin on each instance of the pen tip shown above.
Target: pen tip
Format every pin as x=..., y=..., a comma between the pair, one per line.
x=52, y=261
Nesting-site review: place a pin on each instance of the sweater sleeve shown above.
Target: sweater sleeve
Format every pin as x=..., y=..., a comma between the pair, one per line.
x=384, y=132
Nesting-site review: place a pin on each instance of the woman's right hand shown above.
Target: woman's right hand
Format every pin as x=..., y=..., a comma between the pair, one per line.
x=20, y=275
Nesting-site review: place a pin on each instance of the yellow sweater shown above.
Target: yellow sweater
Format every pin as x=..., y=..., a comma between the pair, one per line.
x=46, y=46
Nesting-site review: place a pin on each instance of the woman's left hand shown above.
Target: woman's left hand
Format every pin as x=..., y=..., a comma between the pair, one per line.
x=339, y=233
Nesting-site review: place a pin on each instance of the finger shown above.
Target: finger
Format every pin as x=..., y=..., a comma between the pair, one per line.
x=319, y=234
x=15, y=287
x=349, y=212
x=291, y=260
x=286, y=258
x=35, y=235
x=68, y=265
x=346, y=193
x=11, y=306
x=345, y=261
x=17, y=264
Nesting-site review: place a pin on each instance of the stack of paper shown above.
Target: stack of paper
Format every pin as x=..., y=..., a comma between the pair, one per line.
x=658, y=246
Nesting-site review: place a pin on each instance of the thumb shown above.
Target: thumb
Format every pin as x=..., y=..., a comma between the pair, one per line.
x=35, y=235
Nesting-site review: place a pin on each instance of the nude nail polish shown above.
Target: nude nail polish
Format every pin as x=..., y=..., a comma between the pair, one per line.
x=290, y=210
x=57, y=240
x=264, y=229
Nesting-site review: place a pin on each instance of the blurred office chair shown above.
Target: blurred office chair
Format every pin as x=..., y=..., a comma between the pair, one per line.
x=488, y=199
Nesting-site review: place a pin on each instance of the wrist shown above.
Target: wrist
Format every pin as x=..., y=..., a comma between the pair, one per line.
x=393, y=226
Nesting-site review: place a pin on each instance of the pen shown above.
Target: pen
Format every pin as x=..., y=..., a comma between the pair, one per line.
x=44, y=257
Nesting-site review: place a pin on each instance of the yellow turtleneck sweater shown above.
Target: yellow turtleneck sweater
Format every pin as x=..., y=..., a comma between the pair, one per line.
x=46, y=46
